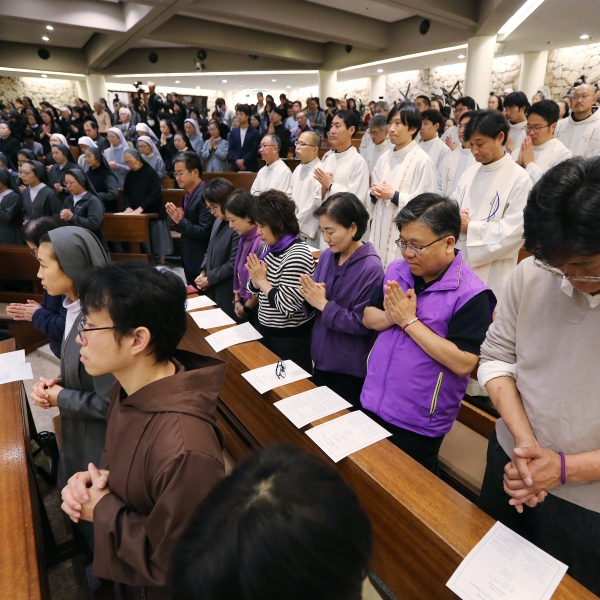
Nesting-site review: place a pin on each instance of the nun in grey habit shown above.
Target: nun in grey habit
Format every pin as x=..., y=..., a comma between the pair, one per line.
x=38, y=199
x=11, y=210
x=114, y=154
x=154, y=159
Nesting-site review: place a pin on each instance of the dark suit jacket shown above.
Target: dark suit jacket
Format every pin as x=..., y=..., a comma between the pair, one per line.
x=11, y=219
x=102, y=143
x=249, y=151
x=219, y=264
x=195, y=228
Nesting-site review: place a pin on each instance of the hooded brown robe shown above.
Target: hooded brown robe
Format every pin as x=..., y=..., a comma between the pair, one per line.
x=164, y=453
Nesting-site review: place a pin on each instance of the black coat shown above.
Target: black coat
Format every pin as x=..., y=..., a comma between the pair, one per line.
x=87, y=213
x=57, y=175
x=11, y=212
x=144, y=188
x=248, y=151
x=102, y=143
x=106, y=185
x=46, y=203
x=10, y=146
x=195, y=228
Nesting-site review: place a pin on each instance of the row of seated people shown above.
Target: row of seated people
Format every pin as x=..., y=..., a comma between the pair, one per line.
x=406, y=339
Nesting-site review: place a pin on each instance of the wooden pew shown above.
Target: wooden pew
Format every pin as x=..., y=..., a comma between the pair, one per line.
x=168, y=183
x=422, y=528
x=239, y=180
x=128, y=228
x=17, y=263
x=22, y=564
x=75, y=152
x=174, y=196
x=127, y=256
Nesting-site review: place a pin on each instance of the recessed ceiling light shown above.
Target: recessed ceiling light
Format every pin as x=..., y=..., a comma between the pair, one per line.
x=44, y=76
x=177, y=81
x=461, y=56
x=224, y=81
x=380, y=70
x=585, y=36
x=49, y=27
x=273, y=80
x=45, y=38
x=197, y=87
x=288, y=87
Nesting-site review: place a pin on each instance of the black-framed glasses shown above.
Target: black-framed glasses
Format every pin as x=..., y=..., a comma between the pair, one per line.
x=280, y=369
x=81, y=328
x=415, y=248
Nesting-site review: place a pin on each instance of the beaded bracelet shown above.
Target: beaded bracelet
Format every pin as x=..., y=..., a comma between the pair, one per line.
x=563, y=468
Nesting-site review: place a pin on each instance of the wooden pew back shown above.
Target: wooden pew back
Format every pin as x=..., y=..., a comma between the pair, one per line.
x=239, y=180
x=174, y=196
x=17, y=262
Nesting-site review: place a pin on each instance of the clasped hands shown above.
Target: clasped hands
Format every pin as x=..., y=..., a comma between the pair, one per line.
x=314, y=293
x=83, y=491
x=324, y=178
x=45, y=392
x=257, y=269
x=382, y=190
x=174, y=212
x=526, y=155
x=400, y=307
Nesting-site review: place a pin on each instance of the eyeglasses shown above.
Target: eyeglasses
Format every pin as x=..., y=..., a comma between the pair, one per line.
x=81, y=328
x=414, y=248
x=180, y=173
x=280, y=370
x=582, y=97
x=302, y=144
x=581, y=279
x=267, y=146
x=535, y=128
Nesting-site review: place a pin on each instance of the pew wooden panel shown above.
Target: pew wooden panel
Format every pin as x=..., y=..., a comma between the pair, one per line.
x=174, y=196
x=422, y=528
x=168, y=183
x=239, y=180
x=356, y=143
x=17, y=263
x=128, y=228
x=22, y=571
x=75, y=152
x=127, y=256
x=323, y=151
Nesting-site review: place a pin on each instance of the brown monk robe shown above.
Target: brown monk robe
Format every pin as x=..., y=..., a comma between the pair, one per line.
x=164, y=453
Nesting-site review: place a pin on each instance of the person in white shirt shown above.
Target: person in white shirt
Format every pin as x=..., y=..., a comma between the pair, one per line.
x=381, y=108
x=226, y=114
x=430, y=142
x=580, y=131
x=292, y=122
x=540, y=150
x=461, y=106
x=515, y=105
x=275, y=175
x=379, y=140
x=458, y=161
x=306, y=190
x=403, y=172
x=492, y=195
x=260, y=103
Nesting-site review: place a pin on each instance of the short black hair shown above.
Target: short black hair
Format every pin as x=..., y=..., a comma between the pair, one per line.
x=239, y=203
x=220, y=102
x=500, y=100
x=435, y=116
x=277, y=210
x=410, y=115
x=190, y=159
x=184, y=137
x=244, y=108
x=35, y=229
x=218, y=191
x=284, y=524
x=425, y=99
x=547, y=109
x=466, y=101
x=136, y=294
x=439, y=213
x=350, y=119
x=345, y=209
x=470, y=114
x=488, y=122
x=562, y=215
x=92, y=124
x=518, y=99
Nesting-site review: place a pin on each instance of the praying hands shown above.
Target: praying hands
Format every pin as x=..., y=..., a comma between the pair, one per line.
x=83, y=491
x=400, y=307
x=382, y=191
x=314, y=293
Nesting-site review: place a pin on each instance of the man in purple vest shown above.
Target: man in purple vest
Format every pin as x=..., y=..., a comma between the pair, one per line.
x=433, y=313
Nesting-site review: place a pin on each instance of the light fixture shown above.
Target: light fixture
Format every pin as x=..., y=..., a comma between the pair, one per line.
x=461, y=56
x=224, y=81
x=197, y=87
x=288, y=86
x=49, y=27
x=45, y=38
x=44, y=76
x=380, y=70
x=225, y=73
x=273, y=80
x=177, y=81
x=585, y=36
x=519, y=17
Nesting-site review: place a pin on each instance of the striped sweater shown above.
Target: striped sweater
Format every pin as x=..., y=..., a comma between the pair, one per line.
x=281, y=313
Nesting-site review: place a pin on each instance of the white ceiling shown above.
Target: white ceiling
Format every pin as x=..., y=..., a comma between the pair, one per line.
x=368, y=8
x=31, y=32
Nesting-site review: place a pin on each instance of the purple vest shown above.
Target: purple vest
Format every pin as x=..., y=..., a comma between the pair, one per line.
x=404, y=385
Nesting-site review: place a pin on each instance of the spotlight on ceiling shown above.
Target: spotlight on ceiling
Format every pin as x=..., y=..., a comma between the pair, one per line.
x=45, y=38
x=380, y=70
x=44, y=76
x=49, y=27
x=273, y=80
x=461, y=56
x=177, y=81
x=585, y=36
x=224, y=81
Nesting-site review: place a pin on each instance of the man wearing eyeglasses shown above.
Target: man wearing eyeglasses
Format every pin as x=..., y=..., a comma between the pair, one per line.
x=580, y=131
x=540, y=150
x=539, y=363
x=302, y=126
x=275, y=175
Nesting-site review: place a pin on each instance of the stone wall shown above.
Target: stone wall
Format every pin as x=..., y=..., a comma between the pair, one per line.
x=505, y=73
x=359, y=89
x=55, y=91
x=566, y=65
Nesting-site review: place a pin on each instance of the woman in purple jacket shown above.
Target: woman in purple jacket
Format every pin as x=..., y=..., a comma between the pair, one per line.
x=347, y=275
x=432, y=314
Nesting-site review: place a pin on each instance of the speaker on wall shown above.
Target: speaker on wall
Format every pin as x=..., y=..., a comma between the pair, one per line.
x=44, y=53
x=153, y=57
x=424, y=26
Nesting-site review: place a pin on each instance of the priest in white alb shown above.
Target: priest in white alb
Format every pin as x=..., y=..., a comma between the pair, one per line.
x=306, y=190
x=381, y=108
x=461, y=106
x=379, y=140
x=403, y=172
x=275, y=175
x=431, y=143
x=580, y=131
x=540, y=150
x=515, y=105
x=457, y=162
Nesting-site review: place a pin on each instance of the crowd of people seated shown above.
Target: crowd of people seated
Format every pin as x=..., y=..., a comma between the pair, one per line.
x=417, y=283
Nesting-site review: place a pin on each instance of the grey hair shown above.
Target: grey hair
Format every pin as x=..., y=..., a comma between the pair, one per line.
x=382, y=104
x=275, y=139
x=438, y=213
x=125, y=110
x=378, y=121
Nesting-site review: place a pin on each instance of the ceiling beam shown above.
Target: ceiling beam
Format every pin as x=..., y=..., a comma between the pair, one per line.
x=494, y=13
x=459, y=13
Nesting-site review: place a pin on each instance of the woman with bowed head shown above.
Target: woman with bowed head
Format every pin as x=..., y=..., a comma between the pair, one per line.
x=167, y=145
x=102, y=179
x=142, y=193
x=151, y=155
x=114, y=154
x=144, y=129
x=48, y=127
x=194, y=135
x=55, y=138
x=237, y=211
x=181, y=144
x=348, y=274
x=6, y=164
x=84, y=143
x=9, y=144
x=216, y=276
x=11, y=210
x=215, y=150
x=63, y=161
x=38, y=198
x=274, y=275
x=64, y=254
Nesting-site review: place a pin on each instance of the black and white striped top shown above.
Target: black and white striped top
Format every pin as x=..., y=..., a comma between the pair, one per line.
x=281, y=313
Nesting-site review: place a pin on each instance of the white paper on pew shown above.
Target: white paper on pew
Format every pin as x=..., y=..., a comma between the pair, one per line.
x=206, y=319
x=306, y=407
x=264, y=379
x=231, y=336
x=505, y=566
x=19, y=372
x=12, y=358
x=199, y=302
x=347, y=434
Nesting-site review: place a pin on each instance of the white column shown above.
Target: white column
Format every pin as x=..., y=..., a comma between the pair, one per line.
x=478, y=78
x=229, y=99
x=327, y=85
x=96, y=85
x=378, y=88
x=533, y=72
x=82, y=90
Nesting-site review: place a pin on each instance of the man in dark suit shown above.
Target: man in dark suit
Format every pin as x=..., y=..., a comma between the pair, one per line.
x=155, y=102
x=276, y=126
x=91, y=130
x=193, y=220
x=243, y=142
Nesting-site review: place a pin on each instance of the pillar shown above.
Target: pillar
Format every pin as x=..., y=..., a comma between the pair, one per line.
x=533, y=72
x=327, y=85
x=82, y=90
x=96, y=87
x=378, y=87
x=478, y=78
